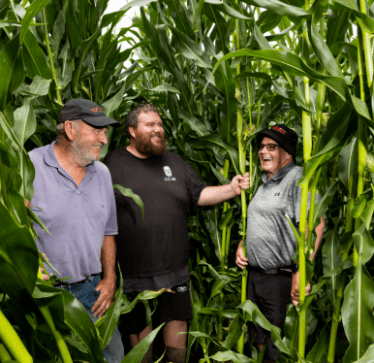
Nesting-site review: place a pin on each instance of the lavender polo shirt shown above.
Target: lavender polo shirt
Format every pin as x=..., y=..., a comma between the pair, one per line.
x=78, y=217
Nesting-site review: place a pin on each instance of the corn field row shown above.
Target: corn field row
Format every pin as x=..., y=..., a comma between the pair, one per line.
x=220, y=71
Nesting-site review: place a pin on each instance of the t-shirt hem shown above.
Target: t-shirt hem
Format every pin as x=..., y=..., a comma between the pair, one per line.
x=152, y=274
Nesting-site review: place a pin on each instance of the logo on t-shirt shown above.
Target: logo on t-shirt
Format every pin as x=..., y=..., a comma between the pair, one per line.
x=169, y=174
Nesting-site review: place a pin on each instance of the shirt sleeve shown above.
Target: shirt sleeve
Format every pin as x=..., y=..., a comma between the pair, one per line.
x=194, y=186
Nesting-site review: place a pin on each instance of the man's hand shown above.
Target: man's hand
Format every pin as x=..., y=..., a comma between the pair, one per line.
x=295, y=288
x=240, y=182
x=240, y=260
x=44, y=276
x=107, y=289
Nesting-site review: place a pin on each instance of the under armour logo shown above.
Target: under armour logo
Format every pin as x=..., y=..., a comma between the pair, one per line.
x=277, y=194
x=96, y=109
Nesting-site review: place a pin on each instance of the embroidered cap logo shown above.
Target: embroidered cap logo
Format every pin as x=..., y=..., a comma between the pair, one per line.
x=96, y=109
x=279, y=129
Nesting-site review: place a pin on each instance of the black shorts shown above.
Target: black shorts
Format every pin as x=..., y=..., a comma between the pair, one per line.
x=272, y=294
x=170, y=307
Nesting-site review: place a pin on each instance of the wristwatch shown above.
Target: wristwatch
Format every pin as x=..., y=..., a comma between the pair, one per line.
x=295, y=268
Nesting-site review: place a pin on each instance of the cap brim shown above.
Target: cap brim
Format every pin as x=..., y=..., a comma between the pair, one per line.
x=101, y=121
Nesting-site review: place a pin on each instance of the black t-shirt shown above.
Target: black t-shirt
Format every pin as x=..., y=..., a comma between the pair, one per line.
x=167, y=185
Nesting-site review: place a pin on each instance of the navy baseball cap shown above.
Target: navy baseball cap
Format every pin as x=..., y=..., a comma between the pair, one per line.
x=88, y=111
x=285, y=137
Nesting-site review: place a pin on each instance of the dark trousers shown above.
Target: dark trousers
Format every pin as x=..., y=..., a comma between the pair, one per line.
x=271, y=293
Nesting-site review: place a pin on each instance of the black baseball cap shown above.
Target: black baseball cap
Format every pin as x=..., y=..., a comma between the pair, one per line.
x=88, y=111
x=285, y=137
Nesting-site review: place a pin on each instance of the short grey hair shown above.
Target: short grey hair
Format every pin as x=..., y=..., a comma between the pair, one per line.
x=60, y=129
x=133, y=116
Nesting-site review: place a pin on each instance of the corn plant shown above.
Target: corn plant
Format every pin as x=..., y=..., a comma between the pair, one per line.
x=220, y=67
x=50, y=51
x=220, y=72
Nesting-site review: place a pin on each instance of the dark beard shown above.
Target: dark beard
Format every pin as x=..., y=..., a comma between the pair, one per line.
x=146, y=147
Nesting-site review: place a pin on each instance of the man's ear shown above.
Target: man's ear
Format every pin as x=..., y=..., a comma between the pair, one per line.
x=70, y=130
x=132, y=132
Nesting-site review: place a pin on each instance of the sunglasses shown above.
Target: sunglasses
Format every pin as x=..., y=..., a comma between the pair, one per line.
x=270, y=147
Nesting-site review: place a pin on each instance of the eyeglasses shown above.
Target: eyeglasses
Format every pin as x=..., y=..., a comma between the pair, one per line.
x=270, y=147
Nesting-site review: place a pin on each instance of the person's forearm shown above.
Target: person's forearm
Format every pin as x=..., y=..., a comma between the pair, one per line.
x=215, y=195
x=319, y=231
x=108, y=257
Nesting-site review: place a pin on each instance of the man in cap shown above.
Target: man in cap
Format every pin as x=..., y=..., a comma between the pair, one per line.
x=153, y=253
x=273, y=279
x=74, y=199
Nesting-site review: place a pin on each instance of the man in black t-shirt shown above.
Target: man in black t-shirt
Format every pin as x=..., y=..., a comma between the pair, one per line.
x=153, y=252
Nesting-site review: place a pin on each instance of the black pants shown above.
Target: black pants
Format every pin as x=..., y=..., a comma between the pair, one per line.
x=271, y=293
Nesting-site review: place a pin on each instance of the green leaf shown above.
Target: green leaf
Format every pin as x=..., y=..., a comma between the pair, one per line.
x=164, y=88
x=65, y=308
x=190, y=49
x=294, y=230
x=364, y=244
x=350, y=4
x=367, y=214
x=8, y=57
x=112, y=104
x=254, y=315
x=59, y=29
x=19, y=257
x=85, y=45
x=324, y=204
x=18, y=75
x=235, y=331
x=279, y=8
x=228, y=10
x=211, y=218
x=36, y=219
x=323, y=52
x=9, y=132
x=293, y=65
x=331, y=260
x=357, y=314
x=136, y=3
x=318, y=353
x=154, y=42
x=127, y=192
x=143, y=296
x=136, y=354
x=368, y=357
x=226, y=84
x=229, y=356
x=180, y=14
x=229, y=314
x=232, y=152
x=34, y=57
x=111, y=317
x=38, y=87
x=35, y=7
x=348, y=163
x=25, y=121
x=279, y=90
x=194, y=123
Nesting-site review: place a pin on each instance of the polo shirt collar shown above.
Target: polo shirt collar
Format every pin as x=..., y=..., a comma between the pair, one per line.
x=51, y=160
x=280, y=175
